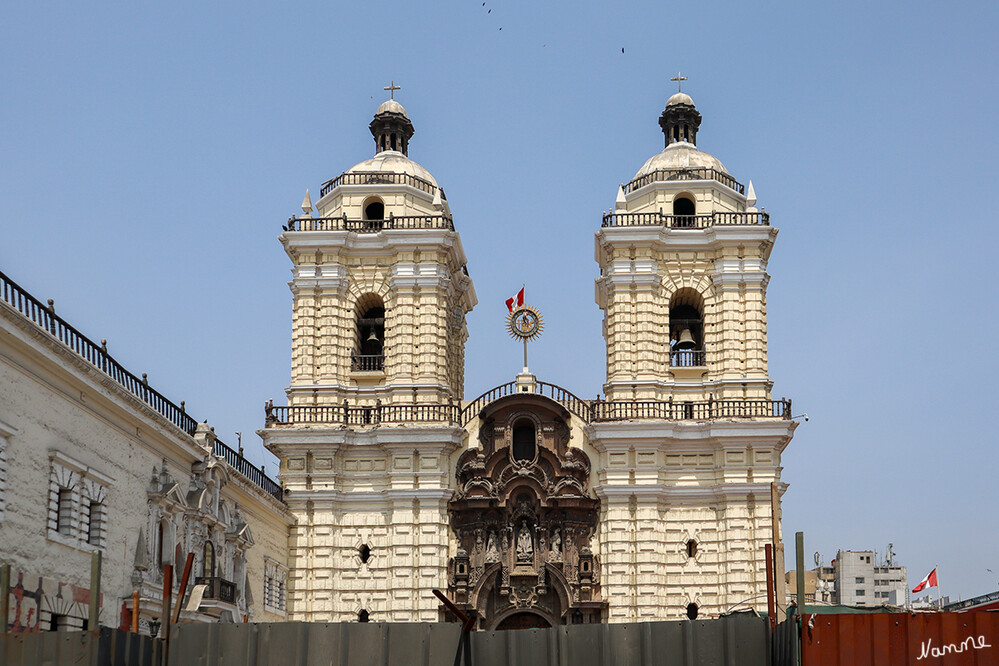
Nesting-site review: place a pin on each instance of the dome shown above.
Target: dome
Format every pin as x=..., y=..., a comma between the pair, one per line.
x=680, y=155
x=392, y=106
x=679, y=98
x=392, y=161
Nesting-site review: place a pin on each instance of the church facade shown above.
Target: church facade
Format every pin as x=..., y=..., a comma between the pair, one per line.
x=529, y=506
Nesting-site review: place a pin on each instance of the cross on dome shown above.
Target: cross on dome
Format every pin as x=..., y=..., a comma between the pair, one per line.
x=392, y=87
x=678, y=78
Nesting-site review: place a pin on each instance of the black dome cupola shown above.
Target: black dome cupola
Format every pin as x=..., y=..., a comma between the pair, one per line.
x=391, y=126
x=680, y=120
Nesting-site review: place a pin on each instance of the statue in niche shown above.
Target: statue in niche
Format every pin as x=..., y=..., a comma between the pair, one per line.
x=492, y=549
x=525, y=544
x=556, y=552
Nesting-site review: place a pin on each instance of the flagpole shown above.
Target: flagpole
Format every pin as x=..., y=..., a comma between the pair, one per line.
x=936, y=569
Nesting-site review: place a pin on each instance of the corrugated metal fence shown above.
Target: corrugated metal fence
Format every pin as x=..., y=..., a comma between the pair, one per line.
x=108, y=647
x=729, y=641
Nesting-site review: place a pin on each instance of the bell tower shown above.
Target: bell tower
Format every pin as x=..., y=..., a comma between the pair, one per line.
x=380, y=294
x=689, y=436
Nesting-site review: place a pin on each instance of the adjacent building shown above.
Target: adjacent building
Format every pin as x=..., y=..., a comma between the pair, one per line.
x=93, y=458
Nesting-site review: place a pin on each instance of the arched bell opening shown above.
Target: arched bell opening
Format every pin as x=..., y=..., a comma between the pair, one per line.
x=684, y=212
x=374, y=209
x=370, y=341
x=686, y=329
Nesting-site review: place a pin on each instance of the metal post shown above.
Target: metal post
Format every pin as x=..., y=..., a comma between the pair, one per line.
x=93, y=624
x=4, y=594
x=799, y=565
x=167, y=584
x=135, y=611
x=771, y=605
x=183, y=587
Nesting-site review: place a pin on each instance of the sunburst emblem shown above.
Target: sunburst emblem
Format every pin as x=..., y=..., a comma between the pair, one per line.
x=525, y=323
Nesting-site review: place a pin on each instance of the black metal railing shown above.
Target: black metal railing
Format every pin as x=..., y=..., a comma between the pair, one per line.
x=367, y=362
x=362, y=415
x=370, y=226
x=218, y=588
x=246, y=468
x=656, y=219
x=692, y=173
x=44, y=317
x=686, y=358
x=663, y=410
x=560, y=395
x=379, y=178
x=594, y=411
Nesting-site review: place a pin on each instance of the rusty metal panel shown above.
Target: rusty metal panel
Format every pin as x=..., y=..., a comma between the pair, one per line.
x=901, y=638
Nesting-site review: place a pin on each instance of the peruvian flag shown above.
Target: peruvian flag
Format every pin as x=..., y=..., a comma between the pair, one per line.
x=929, y=581
x=516, y=301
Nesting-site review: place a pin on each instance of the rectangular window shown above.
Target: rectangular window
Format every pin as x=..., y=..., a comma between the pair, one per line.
x=860, y=593
x=95, y=524
x=3, y=473
x=860, y=580
x=275, y=577
x=64, y=512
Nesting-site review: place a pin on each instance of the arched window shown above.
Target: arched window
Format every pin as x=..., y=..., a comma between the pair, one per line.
x=524, y=446
x=162, y=543
x=686, y=329
x=691, y=548
x=692, y=611
x=365, y=553
x=684, y=212
x=209, y=565
x=374, y=209
x=370, y=354
x=362, y=616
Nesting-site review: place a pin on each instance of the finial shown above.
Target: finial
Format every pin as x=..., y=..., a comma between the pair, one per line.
x=52, y=305
x=679, y=81
x=620, y=202
x=145, y=380
x=307, y=203
x=392, y=87
x=751, y=195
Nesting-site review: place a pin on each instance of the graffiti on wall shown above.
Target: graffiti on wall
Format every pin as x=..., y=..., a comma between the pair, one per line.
x=33, y=595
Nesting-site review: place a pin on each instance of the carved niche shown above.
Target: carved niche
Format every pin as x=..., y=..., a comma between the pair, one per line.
x=523, y=516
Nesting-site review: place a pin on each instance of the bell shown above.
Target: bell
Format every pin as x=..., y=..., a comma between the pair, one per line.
x=686, y=341
x=373, y=337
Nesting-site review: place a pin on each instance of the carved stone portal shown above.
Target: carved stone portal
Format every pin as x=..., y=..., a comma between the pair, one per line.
x=524, y=517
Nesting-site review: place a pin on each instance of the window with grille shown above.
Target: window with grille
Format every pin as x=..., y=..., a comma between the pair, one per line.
x=275, y=582
x=95, y=524
x=64, y=512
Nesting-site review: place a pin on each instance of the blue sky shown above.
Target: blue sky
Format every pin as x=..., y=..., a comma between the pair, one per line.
x=151, y=153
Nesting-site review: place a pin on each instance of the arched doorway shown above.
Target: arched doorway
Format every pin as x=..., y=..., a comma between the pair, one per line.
x=523, y=620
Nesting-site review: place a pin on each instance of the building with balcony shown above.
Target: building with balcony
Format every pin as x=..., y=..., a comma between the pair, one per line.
x=93, y=458
x=529, y=505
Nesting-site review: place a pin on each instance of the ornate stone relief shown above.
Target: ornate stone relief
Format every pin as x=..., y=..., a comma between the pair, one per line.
x=524, y=515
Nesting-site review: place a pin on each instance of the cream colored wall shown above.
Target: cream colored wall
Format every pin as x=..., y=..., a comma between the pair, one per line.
x=661, y=484
x=384, y=487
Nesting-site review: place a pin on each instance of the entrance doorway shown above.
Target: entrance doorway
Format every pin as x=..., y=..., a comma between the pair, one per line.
x=524, y=620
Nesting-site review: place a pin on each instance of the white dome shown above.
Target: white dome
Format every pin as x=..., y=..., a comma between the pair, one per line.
x=393, y=161
x=680, y=98
x=392, y=106
x=681, y=155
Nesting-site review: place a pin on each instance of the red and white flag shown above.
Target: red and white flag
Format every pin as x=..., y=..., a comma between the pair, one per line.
x=929, y=581
x=516, y=301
